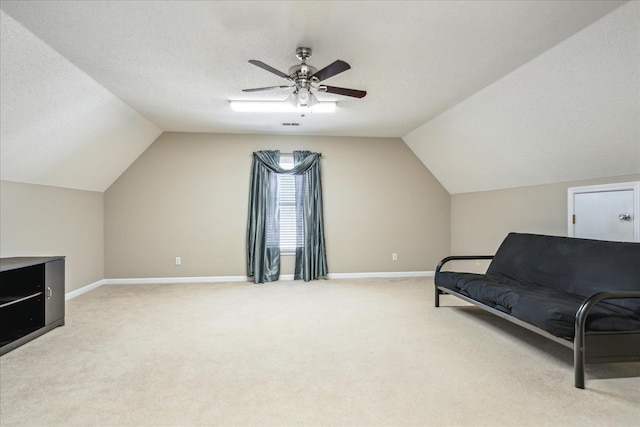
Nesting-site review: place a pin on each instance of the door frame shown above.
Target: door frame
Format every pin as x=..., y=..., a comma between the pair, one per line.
x=619, y=186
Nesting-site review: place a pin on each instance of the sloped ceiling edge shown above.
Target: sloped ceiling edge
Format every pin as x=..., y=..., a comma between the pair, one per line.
x=571, y=113
x=59, y=127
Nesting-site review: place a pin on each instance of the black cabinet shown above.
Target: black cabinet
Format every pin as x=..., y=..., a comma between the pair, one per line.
x=31, y=299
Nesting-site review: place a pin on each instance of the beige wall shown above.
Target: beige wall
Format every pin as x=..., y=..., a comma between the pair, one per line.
x=480, y=221
x=37, y=220
x=187, y=196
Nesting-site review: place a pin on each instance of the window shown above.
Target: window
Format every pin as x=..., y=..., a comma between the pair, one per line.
x=287, y=206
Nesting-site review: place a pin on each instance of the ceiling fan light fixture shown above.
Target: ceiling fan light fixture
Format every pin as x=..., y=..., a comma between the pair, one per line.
x=282, y=107
x=302, y=99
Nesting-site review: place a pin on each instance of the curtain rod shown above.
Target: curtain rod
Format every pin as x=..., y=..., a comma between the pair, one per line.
x=291, y=154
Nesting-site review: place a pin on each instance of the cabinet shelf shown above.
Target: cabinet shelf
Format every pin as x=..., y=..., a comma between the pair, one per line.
x=6, y=301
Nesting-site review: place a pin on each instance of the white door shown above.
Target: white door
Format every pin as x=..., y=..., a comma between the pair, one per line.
x=604, y=212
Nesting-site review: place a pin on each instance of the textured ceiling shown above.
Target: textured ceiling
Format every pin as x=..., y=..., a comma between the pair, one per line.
x=178, y=63
x=88, y=85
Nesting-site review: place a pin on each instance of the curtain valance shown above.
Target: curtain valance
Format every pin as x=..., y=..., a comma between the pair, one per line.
x=270, y=159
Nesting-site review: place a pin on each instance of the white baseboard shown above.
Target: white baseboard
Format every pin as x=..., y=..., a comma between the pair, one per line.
x=373, y=275
x=153, y=280
x=213, y=279
x=381, y=274
x=84, y=289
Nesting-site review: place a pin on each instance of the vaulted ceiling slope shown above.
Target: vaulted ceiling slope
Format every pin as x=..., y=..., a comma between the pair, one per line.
x=58, y=126
x=572, y=113
x=88, y=85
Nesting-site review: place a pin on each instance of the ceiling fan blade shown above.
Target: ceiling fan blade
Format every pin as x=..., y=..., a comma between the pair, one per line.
x=259, y=89
x=269, y=68
x=331, y=70
x=344, y=91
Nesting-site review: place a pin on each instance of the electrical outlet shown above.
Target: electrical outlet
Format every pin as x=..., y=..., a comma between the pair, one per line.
x=394, y=256
x=178, y=260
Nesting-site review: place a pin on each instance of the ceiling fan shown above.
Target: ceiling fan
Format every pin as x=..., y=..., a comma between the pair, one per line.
x=306, y=78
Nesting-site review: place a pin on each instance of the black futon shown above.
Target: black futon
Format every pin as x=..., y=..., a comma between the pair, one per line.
x=584, y=294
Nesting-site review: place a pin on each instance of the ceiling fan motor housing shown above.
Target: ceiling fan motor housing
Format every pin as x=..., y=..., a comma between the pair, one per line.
x=301, y=74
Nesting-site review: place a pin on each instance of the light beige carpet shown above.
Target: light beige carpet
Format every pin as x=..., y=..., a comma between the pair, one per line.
x=335, y=352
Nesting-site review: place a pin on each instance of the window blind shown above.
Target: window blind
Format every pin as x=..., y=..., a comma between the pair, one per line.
x=288, y=215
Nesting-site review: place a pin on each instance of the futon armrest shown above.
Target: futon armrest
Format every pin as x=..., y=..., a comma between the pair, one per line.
x=589, y=303
x=580, y=328
x=461, y=257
